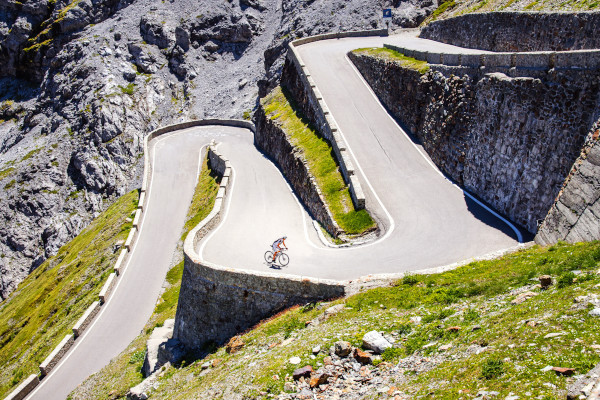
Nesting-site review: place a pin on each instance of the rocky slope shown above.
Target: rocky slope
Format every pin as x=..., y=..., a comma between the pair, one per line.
x=84, y=81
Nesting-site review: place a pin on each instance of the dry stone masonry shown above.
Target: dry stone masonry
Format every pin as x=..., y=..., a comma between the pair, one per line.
x=509, y=140
x=518, y=31
x=575, y=215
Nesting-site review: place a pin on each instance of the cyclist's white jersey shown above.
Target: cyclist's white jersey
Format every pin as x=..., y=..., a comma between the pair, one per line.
x=276, y=244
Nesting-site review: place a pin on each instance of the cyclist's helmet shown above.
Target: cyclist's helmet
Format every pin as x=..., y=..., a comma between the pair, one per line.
x=285, y=237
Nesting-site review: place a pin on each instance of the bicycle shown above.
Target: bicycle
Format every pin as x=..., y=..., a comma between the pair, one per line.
x=282, y=257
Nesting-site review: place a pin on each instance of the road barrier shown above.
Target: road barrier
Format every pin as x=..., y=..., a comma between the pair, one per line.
x=86, y=318
x=78, y=329
x=502, y=62
x=329, y=128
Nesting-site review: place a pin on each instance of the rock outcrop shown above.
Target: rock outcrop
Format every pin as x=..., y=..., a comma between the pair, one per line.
x=83, y=81
x=511, y=141
x=575, y=214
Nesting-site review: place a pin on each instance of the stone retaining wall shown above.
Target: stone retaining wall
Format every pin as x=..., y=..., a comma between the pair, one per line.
x=296, y=79
x=528, y=64
x=58, y=352
x=519, y=31
x=215, y=302
x=24, y=388
x=510, y=141
x=271, y=139
x=575, y=215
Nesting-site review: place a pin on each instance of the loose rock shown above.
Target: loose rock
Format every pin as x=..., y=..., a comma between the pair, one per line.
x=362, y=357
x=342, y=348
x=374, y=341
x=305, y=372
x=234, y=345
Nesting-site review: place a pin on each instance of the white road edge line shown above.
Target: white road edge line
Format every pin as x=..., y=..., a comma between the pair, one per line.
x=104, y=306
x=491, y=211
x=230, y=195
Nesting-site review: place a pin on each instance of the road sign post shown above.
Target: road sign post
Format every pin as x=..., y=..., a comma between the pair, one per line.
x=387, y=17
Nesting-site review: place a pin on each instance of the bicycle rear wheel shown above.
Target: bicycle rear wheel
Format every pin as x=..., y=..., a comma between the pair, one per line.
x=269, y=256
x=284, y=259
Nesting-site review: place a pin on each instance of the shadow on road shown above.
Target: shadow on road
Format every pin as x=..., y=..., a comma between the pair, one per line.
x=489, y=219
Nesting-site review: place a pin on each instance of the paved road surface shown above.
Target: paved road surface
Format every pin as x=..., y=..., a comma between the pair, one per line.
x=123, y=317
x=429, y=222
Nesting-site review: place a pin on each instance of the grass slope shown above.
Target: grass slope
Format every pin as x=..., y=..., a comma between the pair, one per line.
x=506, y=354
x=321, y=161
x=36, y=317
x=393, y=55
x=124, y=371
x=450, y=8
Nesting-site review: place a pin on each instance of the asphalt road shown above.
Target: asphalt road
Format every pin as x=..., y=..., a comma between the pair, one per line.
x=427, y=220
x=121, y=319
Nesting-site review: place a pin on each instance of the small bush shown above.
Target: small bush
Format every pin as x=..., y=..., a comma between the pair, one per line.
x=413, y=344
x=128, y=89
x=290, y=326
x=565, y=280
x=391, y=354
x=410, y=280
x=492, y=368
x=137, y=357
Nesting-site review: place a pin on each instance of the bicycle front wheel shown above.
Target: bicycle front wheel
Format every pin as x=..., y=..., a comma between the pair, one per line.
x=284, y=259
x=269, y=256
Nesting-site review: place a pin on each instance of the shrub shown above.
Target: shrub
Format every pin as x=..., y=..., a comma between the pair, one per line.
x=565, y=280
x=410, y=280
x=391, y=354
x=492, y=368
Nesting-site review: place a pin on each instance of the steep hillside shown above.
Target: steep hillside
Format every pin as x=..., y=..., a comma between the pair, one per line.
x=37, y=316
x=85, y=80
x=485, y=330
x=451, y=8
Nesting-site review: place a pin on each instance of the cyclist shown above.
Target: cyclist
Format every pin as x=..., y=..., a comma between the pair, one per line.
x=277, y=246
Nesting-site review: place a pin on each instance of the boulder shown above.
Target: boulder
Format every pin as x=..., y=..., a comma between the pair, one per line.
x=342, y=348
x=319, y=379
x=375, y=341
x=234, y=345
x=159, y=336
x=545, y=281
x=305, y=372
x=585, y=385
x=363, y=357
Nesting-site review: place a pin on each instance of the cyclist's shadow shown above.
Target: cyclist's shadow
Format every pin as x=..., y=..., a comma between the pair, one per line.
x=274, y=265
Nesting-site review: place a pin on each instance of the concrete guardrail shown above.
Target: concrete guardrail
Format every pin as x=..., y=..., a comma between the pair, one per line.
x=59, y=351
x=539, y=60
x=330, y=129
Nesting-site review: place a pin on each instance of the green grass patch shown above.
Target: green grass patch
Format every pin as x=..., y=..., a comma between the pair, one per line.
x=444, y=6
x=6, y=172
x=36, y=317
x=392, y=55
x=321, y=161
x=31, y=154
x=129, y=89
x=513, y=356
x=124, y=371
x=204, y=197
